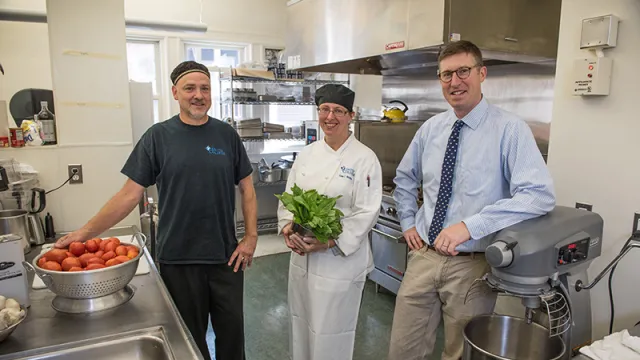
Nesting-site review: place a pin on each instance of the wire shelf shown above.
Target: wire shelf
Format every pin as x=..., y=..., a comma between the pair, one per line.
x=264, y=225
x=263, y=139
x=283, y=81
x=262, y=184
x=228, y=102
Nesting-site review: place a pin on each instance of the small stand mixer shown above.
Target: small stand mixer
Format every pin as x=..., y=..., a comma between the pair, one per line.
x=543, y=261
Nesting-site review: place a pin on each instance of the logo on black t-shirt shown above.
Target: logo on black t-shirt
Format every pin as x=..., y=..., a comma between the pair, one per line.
x=214, y=151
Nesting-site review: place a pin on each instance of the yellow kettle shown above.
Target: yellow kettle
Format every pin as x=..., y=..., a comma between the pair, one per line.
x=394, y=114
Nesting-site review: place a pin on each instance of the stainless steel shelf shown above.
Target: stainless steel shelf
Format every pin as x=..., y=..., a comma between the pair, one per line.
x=252, y=139
x=267, y=103
x=263, y=139
x=283, y=81
x=261, y=184
x=264, y=226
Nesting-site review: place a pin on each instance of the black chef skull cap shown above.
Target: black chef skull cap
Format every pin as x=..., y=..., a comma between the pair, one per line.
x=336, y=94
x=187, y=67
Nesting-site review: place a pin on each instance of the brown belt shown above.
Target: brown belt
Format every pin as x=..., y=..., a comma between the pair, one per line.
x=459, y=254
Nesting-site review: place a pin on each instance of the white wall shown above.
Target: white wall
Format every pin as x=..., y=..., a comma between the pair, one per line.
x=594, y=148
x=252, y=23
x=19, y=53
x=99, y=81
x=27, y=62
x=257, y=17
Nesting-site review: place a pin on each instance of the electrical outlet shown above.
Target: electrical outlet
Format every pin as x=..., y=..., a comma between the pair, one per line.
x=636, y=223
x=584, y=206
x=75, y=173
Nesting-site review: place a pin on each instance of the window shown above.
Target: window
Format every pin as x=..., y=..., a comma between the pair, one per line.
x=214, y=57
x=143, y=62
x=289, y=116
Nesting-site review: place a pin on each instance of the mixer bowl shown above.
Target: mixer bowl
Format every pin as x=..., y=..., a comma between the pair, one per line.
x=500, y=337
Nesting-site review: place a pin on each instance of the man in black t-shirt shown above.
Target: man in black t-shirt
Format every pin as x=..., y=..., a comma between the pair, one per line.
x=196, y=162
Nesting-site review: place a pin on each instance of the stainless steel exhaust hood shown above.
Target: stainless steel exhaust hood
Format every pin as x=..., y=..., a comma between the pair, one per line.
x=398, y=37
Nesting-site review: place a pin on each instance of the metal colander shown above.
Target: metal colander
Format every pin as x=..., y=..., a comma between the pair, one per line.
x=89, y=284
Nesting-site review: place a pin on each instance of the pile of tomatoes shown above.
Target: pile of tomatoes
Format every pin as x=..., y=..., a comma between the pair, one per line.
x=91, y=255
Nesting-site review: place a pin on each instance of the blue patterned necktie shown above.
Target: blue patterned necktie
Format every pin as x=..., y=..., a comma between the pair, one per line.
x=446, y=182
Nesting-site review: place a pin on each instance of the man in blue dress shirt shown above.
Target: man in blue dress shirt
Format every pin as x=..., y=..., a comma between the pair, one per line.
x=481, y=171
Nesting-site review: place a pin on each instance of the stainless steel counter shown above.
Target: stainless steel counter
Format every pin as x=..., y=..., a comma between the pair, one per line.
x=635, y=331
x=45, y=330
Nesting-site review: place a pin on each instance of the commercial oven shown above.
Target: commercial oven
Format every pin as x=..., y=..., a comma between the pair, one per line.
x=389, y=141
x=389, y=248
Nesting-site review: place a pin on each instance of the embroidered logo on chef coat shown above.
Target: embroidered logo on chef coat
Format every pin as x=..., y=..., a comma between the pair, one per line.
x=213, y=151
x=348, y=173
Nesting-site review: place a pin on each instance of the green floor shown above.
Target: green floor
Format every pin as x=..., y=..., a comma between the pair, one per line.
x=266, y=315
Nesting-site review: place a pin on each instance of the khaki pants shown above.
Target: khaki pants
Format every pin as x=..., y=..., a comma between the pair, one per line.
x=434, y=287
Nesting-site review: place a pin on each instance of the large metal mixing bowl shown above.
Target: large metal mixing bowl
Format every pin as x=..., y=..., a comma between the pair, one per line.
x=500, y=337
x=89, y=284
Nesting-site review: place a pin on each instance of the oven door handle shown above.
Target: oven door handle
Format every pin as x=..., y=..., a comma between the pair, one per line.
x=398, y=240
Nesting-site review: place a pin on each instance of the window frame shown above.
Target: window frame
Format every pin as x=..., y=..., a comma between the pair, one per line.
x=244, y=55
x=159, y=45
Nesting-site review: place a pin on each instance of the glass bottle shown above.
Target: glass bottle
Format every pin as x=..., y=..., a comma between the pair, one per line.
x=47, y=119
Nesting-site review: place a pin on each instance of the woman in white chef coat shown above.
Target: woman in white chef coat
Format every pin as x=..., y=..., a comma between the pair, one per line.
x=326, y=280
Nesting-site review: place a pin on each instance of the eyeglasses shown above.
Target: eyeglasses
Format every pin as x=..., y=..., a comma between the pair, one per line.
x=337, y=112
x=462, y=72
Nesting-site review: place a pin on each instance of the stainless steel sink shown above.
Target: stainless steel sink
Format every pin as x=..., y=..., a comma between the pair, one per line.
x=139, y=345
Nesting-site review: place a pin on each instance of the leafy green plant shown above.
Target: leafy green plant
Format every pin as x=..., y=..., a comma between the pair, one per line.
x=314, y=211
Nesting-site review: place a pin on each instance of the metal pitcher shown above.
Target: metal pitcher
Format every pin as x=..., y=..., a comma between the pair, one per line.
x=15, y=222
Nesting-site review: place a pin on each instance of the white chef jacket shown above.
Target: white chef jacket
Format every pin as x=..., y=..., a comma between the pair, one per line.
x=325, y=287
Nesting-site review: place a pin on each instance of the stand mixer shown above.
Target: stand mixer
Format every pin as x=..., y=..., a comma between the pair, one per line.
x=540, y=261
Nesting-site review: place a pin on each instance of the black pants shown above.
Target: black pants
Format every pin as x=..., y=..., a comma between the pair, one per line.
x=200, y=291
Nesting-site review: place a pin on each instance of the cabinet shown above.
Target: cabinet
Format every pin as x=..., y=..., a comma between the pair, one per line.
x=527, y=27
x=537, y=26
x=472, y=21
